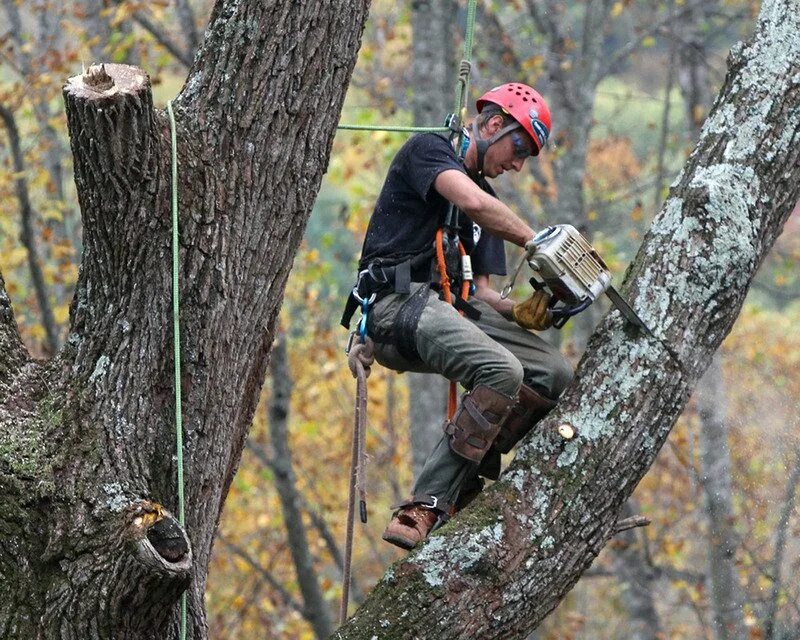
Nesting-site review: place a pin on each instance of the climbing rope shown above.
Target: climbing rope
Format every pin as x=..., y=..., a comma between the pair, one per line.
x=444, y=283
x=360, y=359
x=176, y=341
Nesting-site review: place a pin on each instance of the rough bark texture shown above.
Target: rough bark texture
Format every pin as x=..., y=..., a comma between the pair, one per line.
x=497, y=569
x=725, y=592
x=315, y=609
x=87, y=461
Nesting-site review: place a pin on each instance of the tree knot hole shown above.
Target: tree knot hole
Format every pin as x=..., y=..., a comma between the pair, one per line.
x=164, y=533
x=97, y=78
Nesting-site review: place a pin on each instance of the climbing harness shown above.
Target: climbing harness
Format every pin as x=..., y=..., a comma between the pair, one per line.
x=176, y=341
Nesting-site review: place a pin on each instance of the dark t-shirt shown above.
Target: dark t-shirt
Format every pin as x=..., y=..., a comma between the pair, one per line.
x=409, y=210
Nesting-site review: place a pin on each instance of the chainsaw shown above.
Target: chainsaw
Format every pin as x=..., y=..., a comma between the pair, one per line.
x=566, y=265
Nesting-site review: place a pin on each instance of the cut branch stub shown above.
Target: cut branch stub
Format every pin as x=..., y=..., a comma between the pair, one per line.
x=117, y=154
x=97, y=78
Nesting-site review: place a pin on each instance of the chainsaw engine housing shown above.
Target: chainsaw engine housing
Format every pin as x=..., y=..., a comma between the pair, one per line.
x=569, y=266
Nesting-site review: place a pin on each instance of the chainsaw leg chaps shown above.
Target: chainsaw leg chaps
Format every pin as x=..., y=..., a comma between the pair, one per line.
x=477, y=422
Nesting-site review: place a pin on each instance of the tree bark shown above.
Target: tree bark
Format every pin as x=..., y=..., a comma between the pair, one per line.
x=315, y=609
x=497, y=569
x=87, y=440
x=726, y=594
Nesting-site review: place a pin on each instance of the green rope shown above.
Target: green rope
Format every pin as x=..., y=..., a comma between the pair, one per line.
x=366, y=127
x=176, y=340
x=462, y=86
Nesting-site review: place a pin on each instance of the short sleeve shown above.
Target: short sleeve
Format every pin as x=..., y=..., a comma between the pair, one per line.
x=427, y=156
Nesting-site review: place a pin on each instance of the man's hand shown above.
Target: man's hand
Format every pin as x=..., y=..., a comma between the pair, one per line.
x=533, y=312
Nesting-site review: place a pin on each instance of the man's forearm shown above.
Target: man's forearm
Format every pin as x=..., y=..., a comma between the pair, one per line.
x=491, y=297
x=482, y=208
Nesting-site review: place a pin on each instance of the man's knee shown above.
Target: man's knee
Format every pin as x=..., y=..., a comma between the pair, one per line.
x=562, y=376
x=504, y=375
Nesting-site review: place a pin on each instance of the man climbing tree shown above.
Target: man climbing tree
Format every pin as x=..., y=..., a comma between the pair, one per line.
x=417, y=241
x=91, y=548
x=506, y=562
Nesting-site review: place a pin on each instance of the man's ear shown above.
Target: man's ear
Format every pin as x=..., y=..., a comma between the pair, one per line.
x=494, y=124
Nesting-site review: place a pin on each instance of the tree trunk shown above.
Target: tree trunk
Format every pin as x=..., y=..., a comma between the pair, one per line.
x=726, y=594
x=771, y=628
x=499, y=568
x=87, y=468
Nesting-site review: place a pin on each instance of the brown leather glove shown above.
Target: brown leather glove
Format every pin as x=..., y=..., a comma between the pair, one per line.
x=533, y=312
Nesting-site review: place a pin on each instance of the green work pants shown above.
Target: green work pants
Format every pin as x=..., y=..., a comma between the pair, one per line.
x=492, y=351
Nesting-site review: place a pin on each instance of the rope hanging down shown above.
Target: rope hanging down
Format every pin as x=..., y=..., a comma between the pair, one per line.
x=176, y=340
x=360, y=359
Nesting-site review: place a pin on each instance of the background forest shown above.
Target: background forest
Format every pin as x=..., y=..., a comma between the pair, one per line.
x=629, y=84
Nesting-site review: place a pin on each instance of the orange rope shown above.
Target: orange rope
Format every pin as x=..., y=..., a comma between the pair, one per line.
x=444, y=281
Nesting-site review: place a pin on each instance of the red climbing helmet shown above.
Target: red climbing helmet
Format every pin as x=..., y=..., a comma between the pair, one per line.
x=525, y=105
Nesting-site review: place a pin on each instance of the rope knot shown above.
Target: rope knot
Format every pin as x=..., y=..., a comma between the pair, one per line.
x=361, y=354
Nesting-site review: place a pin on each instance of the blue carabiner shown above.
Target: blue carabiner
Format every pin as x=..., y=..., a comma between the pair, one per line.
x=362, y=324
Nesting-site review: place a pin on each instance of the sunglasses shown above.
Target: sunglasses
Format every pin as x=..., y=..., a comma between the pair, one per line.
x=522, y=149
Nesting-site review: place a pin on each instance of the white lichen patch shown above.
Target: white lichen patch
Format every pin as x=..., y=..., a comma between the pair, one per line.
x=475, y=546
x=116, y=497
x=100, y=368
x=732, y=193
x=516, y=479
x=548, y=543
x=430, y=561
x=569, y=455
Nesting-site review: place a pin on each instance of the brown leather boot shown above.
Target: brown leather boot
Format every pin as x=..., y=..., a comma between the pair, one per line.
x=410, y=525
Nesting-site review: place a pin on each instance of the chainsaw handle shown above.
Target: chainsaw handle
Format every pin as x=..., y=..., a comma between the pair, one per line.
x=560, y=314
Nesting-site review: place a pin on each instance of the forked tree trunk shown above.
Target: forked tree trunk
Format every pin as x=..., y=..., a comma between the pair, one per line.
x=497, y=569
x=90, y=548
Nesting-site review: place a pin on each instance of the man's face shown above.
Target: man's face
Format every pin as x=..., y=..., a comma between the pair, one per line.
x=508, y=153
